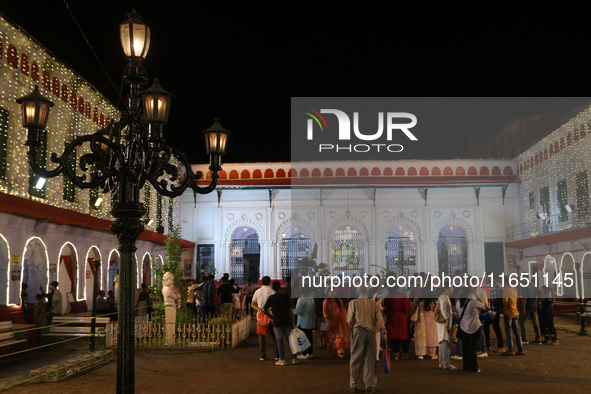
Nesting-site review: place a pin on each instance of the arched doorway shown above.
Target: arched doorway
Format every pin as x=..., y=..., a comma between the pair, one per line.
x=401, y=250
x=68, y=272
x=35, y=270
x=113, y=268
x=93, y=253
x=245, y=255
x=549, y=273
x=147, y=270
x=452, y=250
x=5, y=281
x=348, y=251
x=295, y=250
x=567, y=266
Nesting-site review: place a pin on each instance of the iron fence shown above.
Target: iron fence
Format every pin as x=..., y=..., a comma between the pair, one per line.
x=551, y=225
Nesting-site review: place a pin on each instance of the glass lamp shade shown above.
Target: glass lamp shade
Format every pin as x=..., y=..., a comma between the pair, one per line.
x=34, y=109
x=216, y=138
x=135, y=36
x=156, y=103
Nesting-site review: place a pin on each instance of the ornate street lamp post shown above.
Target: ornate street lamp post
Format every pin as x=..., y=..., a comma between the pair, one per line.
x=127, y=154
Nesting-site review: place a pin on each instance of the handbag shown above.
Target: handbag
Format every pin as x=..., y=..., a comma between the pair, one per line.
x=298, y=341
x=438, y=316
x=262, y=324
x=460, y=333
x=415, y=316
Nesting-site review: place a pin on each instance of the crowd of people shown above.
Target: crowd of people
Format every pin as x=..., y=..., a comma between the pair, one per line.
x=394, y=317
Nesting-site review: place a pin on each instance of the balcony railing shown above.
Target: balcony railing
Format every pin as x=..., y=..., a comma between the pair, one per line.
x=552, y=225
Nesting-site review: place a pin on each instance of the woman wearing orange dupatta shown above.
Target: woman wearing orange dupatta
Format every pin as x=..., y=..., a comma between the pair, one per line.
x=338, y=335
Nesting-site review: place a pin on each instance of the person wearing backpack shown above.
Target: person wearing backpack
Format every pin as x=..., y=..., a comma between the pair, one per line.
x=444, y=316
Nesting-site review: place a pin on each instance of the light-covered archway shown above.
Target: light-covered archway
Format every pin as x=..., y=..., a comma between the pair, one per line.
x=245, y=255
x=549, y=273
x=92, y=254
x=586, y=269
x=568, y=286
x=113, y=268
x=147, y=270
x=67, y=272
x=35, y=270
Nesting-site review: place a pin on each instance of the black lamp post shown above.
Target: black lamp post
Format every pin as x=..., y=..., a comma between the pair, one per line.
x=127, y=154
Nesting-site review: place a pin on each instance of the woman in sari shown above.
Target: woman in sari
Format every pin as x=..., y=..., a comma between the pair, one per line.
x=397, y=308
x=338, y=335
x=425, y=328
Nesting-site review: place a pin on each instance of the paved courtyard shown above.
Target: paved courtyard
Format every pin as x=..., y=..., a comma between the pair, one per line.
x=544, y=369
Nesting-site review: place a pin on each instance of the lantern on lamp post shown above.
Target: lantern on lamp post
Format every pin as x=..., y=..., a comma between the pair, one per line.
x=123, y=161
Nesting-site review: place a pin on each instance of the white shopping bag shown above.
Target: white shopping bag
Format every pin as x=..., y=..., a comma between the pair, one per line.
x=298, y=341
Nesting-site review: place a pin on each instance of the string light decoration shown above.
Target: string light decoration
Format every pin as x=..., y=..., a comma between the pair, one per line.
x=127, y=154
x=561, y=158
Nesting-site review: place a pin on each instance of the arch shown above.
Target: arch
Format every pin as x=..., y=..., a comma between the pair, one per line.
x=460, y=171
x=550, y=269
x=73, y=100
x=472, y=171
x=424, y=171
x=363, y=172
x=304, y=173
x=35, y=71
x=412, y=171
x=245, y=254
x=269, y=173
x=400, y=249
x=436, y=171
x=64, y=95
x=351, y=172
x=388, y=171
x=376, y=171
x=347, y=246
x=67, y=268
x=4, y=271
x=496, y=170
x=295, y=221
x=92, y=253
x=453, y=221
x=316, y=172
x=401, y=220
x=234, y=174
x=55, y=86
x=327, y=172
x=257, y=174
x=452, y=250
x=243, y=222
x=569, y=139
x=292, y=173
x=34, y=269
x=24, y=64
x=576, y=135
x=245, y=174
x=567, y=266
x=508, y=170
x=146, y=269
x=295, y=247
x=340, y=172
x=280, y=173
x=400, y=171
x=12, y=56
x=113, y=269
x=447, y=171
x=484, y=170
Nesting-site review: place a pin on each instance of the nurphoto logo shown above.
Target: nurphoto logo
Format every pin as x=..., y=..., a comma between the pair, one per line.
x=344, y=130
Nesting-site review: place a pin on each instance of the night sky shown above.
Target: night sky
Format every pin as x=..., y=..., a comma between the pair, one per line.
x=242, y=64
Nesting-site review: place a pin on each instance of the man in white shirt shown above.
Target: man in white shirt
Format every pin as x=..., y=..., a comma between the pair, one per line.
x=258, y=302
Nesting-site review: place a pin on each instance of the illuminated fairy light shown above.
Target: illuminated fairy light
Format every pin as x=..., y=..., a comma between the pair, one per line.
x=150, y=265
x=113, y=255
x=583, y=270
x=561, y=274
